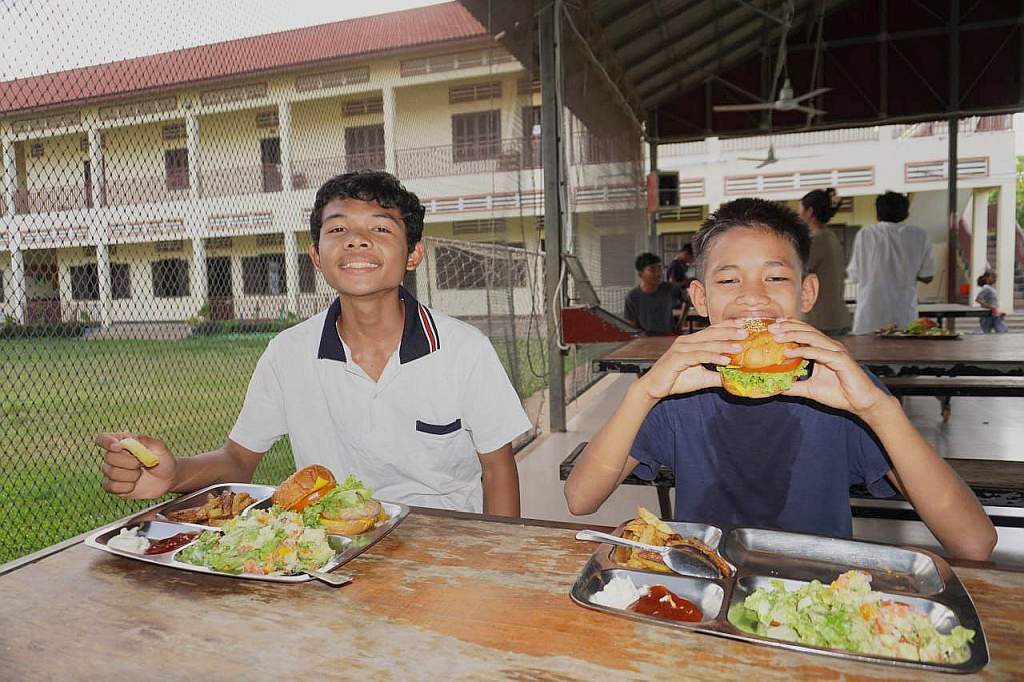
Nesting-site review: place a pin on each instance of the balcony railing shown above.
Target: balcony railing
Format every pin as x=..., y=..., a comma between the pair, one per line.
x=154, y=189
x=838, y=136
x=966, y=126
x=483, y=156
x=311, y=173
x=57, y=198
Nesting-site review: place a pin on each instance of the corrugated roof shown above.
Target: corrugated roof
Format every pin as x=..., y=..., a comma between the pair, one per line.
x=342, y=39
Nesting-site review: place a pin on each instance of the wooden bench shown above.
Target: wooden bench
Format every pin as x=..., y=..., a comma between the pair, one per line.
x=996, y=483
x=948, y=386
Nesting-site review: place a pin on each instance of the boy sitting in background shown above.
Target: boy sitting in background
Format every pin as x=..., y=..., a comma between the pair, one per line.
x=649, y=306
x=785, y=462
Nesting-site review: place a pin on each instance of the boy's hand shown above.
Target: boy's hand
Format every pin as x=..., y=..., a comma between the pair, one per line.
x=679, y=370
x=837, y=380
x=124, y=475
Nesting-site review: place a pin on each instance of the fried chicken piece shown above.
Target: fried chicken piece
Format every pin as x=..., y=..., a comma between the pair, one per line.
x=702, y=549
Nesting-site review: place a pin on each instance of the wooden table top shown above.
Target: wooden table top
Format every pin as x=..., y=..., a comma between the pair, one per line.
x=442, y=597
x=969, y=354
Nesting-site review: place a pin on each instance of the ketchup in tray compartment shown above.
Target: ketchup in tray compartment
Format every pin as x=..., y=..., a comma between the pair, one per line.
x=662, y=603
x=171, y=543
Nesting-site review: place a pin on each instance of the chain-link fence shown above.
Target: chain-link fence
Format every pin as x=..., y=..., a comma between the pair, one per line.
x=154, y=227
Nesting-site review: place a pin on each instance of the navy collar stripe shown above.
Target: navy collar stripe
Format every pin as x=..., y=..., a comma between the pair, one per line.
x=419, y=333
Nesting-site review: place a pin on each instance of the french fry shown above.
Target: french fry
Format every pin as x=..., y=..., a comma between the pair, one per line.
x=140, y=451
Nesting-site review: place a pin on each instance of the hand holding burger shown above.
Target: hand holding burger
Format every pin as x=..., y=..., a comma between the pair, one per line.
x=838, y=380
x=762, y=369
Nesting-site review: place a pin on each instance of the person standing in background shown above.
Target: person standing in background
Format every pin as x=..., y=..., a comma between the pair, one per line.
x=988, y=298
x=680, y=270
x=889, y=259
x=829, y=313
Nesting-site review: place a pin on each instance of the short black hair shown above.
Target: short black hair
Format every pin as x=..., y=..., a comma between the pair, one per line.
x=983, y=279
x=756, y=214
x=822, y=202
x=644, y=260
x=384, y=188
x=892, y=207
x=687, y=248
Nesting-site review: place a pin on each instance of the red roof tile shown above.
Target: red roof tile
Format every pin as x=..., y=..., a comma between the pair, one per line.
x=342, y=39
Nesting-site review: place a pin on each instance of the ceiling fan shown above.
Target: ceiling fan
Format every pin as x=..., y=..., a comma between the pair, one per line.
x=785, y=102
x=771, y=158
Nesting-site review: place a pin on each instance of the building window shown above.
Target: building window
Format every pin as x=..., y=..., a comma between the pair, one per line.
x=307, y=275
x=85, y=284
x=617, y=260
x=364, y=147
x=264, y=275
x=170, y=278
x=479, y=267
x=120, y=280
x=476, y=136
x=176, y=168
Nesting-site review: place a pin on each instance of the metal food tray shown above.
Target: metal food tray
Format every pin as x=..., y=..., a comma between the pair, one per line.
x=153, y=524
x=915, y=576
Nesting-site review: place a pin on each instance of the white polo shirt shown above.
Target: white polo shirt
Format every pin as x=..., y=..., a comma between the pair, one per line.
x=413, y=435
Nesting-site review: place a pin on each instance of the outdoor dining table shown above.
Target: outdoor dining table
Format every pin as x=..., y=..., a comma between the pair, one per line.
x=445, y=596
x=968, y=355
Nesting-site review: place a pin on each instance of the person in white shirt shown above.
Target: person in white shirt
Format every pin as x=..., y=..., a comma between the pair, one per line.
x=413, y=402
x=888, y=261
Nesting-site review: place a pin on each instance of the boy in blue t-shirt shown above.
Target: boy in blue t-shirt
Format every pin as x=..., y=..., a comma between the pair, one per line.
x=784, y=462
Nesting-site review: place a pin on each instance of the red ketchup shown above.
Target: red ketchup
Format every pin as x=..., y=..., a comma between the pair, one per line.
x=662, y=603
x=171, y=543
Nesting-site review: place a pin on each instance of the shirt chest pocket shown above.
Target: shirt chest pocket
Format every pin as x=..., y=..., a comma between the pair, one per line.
x=439, y=431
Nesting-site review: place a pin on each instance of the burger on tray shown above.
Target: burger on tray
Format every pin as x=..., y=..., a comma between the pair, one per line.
x=760, y=369
x=347, y=508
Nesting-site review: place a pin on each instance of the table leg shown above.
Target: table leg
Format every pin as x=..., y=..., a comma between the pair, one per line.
x=664, y=502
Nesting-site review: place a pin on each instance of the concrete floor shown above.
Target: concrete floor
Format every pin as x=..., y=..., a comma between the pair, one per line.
x=982, y=428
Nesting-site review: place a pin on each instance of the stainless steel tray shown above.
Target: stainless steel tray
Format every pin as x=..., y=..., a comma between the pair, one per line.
x=915, y=576
x=154, y=524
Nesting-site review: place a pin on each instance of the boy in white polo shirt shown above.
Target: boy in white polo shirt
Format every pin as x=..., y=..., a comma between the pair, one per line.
x=413, y=402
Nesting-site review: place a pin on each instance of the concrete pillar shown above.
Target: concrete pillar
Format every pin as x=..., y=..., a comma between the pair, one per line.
x=714, y=182
x=284, y=132
x=1006, y=237
x=390, y=118
x=97, y=169
x=979, y=240
x=291, y=269
x=10, y=233
x=103, y=275
x=197, y=269
x=194, y=161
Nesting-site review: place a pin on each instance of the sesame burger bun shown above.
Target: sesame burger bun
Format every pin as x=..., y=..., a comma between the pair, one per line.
x=304, y=487
x=761, y=369
x=352, y=520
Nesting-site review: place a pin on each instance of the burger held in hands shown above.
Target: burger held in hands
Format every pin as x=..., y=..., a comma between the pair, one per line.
x=761, y=369
x=345, y=508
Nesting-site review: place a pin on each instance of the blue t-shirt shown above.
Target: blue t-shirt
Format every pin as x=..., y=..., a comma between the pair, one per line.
x=785, y=463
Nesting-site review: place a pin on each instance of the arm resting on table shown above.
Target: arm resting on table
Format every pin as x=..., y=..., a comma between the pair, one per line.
x=501, y=482
x=944, y=502
x=605, y=462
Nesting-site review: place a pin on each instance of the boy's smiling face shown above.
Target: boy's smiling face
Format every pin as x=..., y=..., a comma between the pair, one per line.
x=752, y=272
x=363, y=248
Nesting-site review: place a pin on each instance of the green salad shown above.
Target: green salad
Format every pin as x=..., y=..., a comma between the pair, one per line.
x=848, y=615
x=273, y=542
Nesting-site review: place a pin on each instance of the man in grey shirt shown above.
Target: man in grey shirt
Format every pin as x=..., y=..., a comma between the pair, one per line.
x=649, y=306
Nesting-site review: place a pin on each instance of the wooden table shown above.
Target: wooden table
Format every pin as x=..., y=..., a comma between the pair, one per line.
x=450, y=596
x=970, y=355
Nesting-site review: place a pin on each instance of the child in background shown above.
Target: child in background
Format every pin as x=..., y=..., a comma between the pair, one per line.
x=988, y=298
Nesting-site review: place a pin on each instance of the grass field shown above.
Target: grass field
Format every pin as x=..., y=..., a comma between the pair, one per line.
x=58, y=393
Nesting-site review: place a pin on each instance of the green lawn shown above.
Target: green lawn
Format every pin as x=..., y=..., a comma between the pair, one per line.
x=58, y=393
